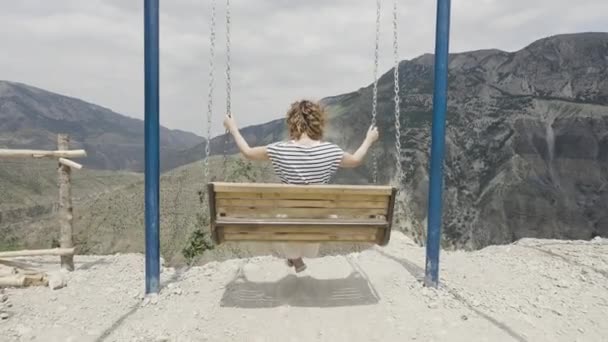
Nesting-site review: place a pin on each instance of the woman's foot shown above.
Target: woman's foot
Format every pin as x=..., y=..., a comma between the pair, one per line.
x=298, y=264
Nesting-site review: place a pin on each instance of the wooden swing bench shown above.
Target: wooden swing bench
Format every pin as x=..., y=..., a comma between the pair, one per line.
x=245, y=212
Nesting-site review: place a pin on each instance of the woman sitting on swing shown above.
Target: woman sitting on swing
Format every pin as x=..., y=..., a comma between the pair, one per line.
x=303, y=160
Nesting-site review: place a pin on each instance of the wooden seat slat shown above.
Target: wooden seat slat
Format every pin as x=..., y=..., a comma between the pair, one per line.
x=316, y=189
x=301, y=203
x=271, y=212
x=299, y=222
x=299, y=237
x=300, y=229
x=299, y=196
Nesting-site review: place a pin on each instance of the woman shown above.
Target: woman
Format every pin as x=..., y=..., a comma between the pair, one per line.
x=304, y=159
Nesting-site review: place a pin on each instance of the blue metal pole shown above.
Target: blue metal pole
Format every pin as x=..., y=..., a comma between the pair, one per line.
x=152, y=192
x=433, y=246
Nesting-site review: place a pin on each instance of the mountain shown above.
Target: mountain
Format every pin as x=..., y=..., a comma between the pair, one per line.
x=30, y=118
x=526, y=144
x=526, y=154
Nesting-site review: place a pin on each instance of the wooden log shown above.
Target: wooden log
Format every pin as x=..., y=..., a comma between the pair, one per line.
x=7, y=153
x=65, y=205
x=70, y=163
x=7, y=271
x=21, y=280
x=17, y=280
x=36, y=280
x=38, y=252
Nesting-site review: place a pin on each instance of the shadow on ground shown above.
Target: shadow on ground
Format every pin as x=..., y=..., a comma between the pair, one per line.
x=292, y=290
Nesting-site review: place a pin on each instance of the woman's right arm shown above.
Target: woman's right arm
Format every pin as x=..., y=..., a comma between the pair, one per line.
x=356, y=159
x=251, y=153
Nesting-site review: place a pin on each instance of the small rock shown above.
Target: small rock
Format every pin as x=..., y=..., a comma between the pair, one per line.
x=57, y=281
x=146, y=301
x=154, y=300
x=597, y=239
x=433, y=305
x=3, y=315
x=464, y=317
x=178, y=291
x=581, y=330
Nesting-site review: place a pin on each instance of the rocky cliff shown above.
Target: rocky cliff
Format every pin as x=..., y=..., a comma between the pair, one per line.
x=527, y=140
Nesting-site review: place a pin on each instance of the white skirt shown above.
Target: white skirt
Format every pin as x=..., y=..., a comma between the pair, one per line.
x=294, y=250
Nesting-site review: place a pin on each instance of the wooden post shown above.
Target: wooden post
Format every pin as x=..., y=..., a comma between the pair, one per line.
x=65, y=205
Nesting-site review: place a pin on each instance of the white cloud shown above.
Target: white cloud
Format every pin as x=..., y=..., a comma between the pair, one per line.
x=282, y=50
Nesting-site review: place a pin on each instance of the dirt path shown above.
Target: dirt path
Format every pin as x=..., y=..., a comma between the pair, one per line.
x=535, y=290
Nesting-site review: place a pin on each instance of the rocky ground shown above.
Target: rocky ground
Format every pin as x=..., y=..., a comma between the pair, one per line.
x=533, y=290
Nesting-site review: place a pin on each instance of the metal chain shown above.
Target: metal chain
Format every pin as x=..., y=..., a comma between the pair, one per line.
x=228, y=61
x=375, y=91
x=397, y=111
x=228, y=85
x=210, y=93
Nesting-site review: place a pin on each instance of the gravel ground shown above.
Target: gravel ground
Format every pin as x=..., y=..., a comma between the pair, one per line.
x=533, y=290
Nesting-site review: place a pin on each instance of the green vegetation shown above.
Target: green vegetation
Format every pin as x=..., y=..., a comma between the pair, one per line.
x=200, y=239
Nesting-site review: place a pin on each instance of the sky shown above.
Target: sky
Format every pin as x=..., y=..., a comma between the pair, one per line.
x=282, y=50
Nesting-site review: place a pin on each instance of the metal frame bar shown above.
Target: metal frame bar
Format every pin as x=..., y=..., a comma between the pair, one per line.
x=433, y=246
x=152, y=164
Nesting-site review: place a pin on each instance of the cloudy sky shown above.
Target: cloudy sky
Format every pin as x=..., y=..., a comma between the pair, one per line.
x=282, y=49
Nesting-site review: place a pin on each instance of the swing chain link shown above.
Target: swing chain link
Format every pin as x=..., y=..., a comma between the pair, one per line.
x=375, y=91
x=228, y=61
x=399, y=172
x=228, y=85
x=210, y=93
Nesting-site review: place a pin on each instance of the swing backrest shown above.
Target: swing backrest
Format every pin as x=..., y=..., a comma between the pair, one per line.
x=311, y=213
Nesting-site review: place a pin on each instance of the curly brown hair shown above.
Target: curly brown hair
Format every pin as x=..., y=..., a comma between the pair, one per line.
x=306, y=117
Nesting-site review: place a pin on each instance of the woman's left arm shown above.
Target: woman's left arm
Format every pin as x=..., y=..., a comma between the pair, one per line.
x=251, y=153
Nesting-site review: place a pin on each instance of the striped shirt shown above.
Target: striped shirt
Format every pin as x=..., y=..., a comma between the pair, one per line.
x=305, y=165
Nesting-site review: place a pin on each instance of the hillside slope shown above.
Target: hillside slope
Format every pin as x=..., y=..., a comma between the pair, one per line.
x=29, y=198
x=31, y=118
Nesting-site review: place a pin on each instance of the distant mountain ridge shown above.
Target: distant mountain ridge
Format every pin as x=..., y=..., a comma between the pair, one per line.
x=31, y=118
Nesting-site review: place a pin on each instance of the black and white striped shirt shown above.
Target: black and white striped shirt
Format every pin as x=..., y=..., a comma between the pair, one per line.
x=305, y=165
